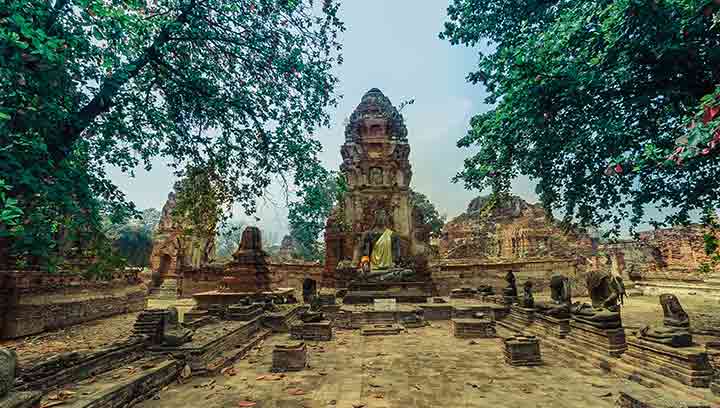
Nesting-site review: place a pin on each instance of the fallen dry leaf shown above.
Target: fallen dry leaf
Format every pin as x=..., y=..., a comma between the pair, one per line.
x=229, y=371
x=246, y=404
x=48, y=404
x=296, y=391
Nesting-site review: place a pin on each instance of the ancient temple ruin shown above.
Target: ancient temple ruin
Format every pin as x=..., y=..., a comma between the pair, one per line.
x=378, y=172
x=176, y=244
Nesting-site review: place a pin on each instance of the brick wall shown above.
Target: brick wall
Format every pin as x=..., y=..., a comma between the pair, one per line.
x=450, y=274
x=292, y=275
x=283, y=275
x=35, y=314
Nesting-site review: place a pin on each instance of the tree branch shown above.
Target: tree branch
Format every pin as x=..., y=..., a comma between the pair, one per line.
x=71, y=131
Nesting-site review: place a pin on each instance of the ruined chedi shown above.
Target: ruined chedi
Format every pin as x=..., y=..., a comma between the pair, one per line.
x=378, y=172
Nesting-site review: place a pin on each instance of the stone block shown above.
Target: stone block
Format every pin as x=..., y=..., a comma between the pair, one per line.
x=473, y=328
x=291, y=357
x=522, y=351
x=321, y=331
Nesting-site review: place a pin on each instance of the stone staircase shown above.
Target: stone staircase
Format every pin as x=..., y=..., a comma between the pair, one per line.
x=167, y=290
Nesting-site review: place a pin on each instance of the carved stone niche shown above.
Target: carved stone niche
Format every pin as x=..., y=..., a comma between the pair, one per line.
x=374, y=128
x=376, y=176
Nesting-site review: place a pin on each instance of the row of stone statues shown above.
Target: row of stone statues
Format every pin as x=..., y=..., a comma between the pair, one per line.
x=607, y=294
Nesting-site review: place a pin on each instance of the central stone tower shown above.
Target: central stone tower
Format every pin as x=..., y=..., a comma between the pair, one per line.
x=378, y=173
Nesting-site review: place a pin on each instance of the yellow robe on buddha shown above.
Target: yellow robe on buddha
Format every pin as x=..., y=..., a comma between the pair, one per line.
x=381, y=257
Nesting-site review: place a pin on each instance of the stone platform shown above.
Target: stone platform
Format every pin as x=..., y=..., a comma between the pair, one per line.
x=355, y=316
x=243, y=313
x=380, y=330
x=519, y=319
x=689, y=365
x=472, y=328
x=125, y=388
x=206, y=300
x=610, y=342
x=320, y=331
x=437, y=311
x=550, y=326
x=402, y=292
x=216, y=345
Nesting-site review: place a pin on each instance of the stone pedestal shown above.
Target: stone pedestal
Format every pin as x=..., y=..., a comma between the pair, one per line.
x=320, y=331
x=522, y=351
x=473, y=328
x=604, y=341
x=689, y=365
x=550, y=326
x=291, y=357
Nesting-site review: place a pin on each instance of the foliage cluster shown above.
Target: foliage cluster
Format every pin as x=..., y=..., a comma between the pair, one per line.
x=308, y=215
x=230, y=88
x=581, y=87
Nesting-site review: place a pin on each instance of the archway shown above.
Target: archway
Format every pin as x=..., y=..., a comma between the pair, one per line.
x=309, y=289
x=165, y=262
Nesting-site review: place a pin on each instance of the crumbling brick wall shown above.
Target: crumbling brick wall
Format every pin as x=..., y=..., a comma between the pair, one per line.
x=34, y=302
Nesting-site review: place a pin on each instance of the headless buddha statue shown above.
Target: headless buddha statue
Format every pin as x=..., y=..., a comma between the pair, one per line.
x=675, y=331
x=606, y=295
x=560, y=298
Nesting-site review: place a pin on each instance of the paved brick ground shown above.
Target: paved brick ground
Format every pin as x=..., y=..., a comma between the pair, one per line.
x=422, y=368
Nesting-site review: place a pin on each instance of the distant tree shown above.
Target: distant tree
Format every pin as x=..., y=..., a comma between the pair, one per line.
x=228, y=238
x=133, y=240
x=230, y=87
x=308, y=215
x=428, y=213
x=611, y=105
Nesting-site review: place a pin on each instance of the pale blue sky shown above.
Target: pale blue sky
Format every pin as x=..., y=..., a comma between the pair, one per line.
x=394, y=46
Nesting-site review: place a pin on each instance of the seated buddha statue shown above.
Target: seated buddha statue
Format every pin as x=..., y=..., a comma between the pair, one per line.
x=381, y=254
x=606, y=294
x=675, y=331
x=560, y=298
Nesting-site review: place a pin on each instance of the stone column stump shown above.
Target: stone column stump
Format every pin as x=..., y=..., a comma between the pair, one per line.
x=289, y=357
x=522, y=351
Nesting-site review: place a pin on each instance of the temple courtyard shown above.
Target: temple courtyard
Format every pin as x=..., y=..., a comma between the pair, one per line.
x=424, y=367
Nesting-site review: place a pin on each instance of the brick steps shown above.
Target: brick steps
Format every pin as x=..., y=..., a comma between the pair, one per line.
x=124, y=387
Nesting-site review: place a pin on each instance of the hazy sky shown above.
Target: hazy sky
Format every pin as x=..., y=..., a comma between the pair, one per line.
x=394, y=46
